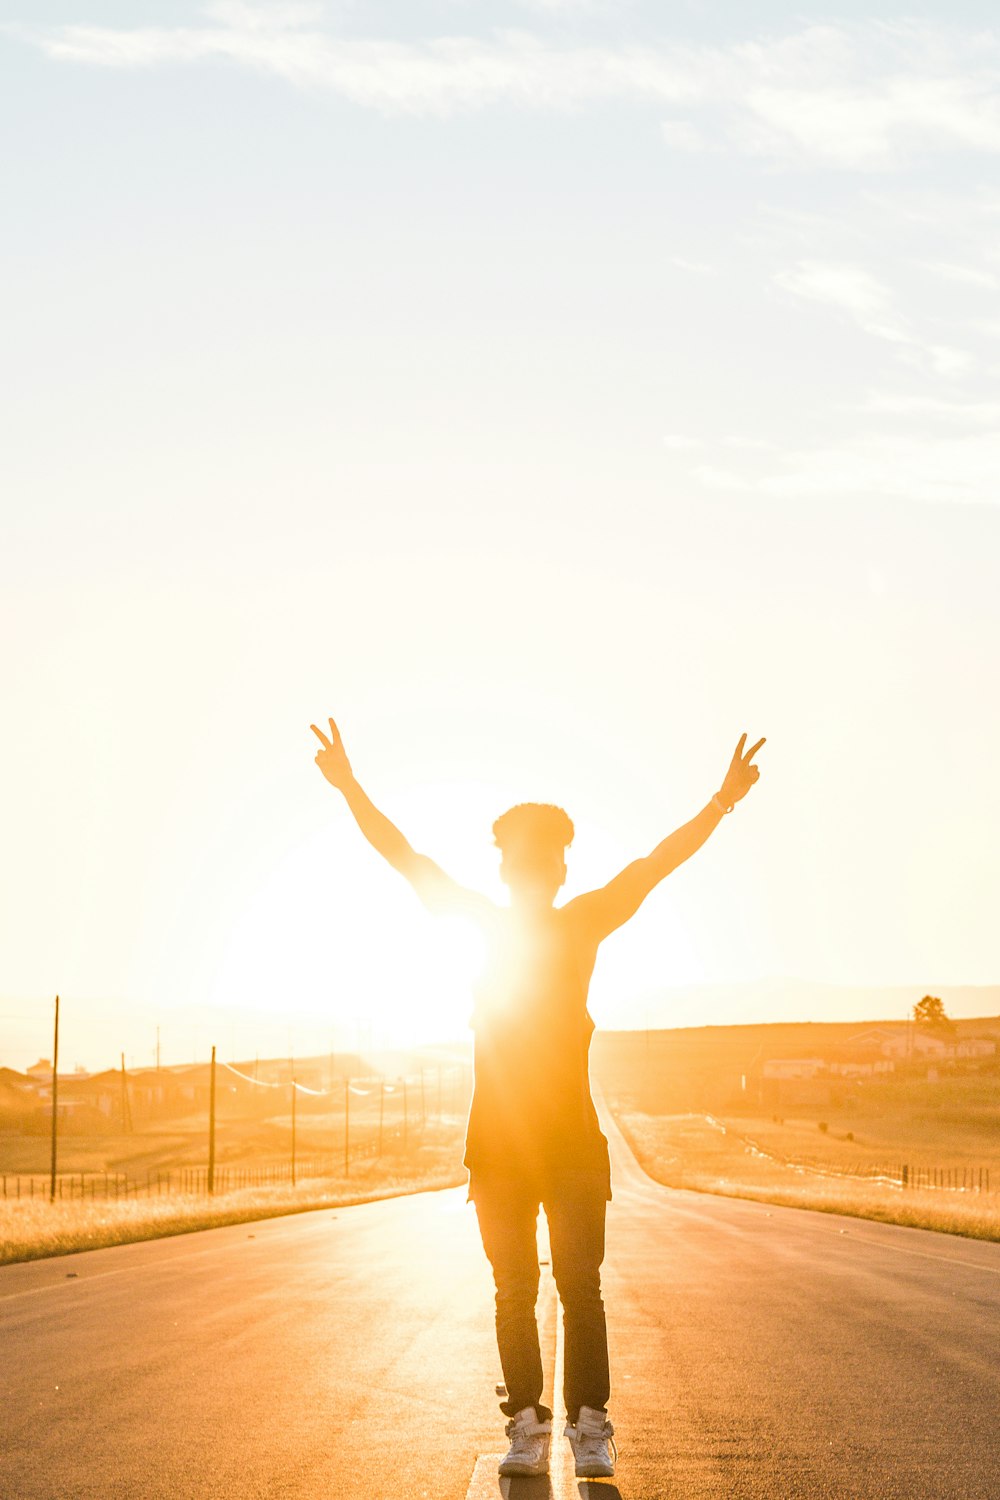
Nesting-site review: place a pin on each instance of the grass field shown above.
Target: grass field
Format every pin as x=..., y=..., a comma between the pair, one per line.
x=691, y=1104
x=687, y=1151
x=694, y=1103
x=413, y=1151
x=30, y=1229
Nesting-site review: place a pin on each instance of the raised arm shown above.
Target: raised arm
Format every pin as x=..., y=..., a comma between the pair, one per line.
x=600, y=912
x=436, y=889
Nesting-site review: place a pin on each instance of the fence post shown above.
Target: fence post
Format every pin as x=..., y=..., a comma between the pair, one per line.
x=126, y=1106
x=211, y=1129
x=55, y=1105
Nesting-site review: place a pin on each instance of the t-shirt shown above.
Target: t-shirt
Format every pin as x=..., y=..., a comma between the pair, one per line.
x=532, y=1113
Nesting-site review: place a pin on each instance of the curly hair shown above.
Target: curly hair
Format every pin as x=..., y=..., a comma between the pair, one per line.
x=533, y=826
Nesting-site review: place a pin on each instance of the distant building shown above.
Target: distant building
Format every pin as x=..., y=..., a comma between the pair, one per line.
x=793, y=1067
x=903, y=1042
x=862, y=1067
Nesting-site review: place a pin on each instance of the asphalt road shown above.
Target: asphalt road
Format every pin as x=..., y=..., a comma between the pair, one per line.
x=756, y=1352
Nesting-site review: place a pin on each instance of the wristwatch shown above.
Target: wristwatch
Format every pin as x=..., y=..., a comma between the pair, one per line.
x=721, y=805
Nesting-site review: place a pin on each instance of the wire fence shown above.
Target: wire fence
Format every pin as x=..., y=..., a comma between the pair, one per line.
x=895, y=1174
x=157, y=1182
x=353, y=1121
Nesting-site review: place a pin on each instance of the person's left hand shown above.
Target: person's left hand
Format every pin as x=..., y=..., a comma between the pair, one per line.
x=332, y=759
x=741, y=774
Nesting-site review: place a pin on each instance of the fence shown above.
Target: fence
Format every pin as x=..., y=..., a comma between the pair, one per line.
x=113, y=1186
x=362, y=1119
x=965, y=1179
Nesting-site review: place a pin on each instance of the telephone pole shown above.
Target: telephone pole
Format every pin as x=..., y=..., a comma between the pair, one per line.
x=55, y=1104
x=211, y=1129
x=294, y=1092
x=126, y=1106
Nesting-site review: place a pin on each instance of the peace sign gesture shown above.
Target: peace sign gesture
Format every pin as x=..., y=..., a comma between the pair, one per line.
x=332, y=759
x=741, y=774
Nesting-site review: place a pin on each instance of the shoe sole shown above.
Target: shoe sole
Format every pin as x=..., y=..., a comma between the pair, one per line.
x=593, y=1472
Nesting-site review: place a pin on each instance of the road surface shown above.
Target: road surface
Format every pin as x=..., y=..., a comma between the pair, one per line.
x=757, y=1353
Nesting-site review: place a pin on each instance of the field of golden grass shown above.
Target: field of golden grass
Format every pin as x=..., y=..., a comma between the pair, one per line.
x=692, y=1151
x=805, y=1144
x=34, y=1228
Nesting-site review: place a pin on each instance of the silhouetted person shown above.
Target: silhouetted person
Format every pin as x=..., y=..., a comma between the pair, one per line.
x=533, y=1136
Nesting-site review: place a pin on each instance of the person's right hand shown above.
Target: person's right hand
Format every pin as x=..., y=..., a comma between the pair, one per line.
x=741, y=774
x=332, y=759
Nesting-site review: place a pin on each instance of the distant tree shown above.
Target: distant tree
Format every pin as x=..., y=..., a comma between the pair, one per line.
x=929, y=1015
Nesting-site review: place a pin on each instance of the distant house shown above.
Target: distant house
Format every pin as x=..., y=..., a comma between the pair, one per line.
x=193, y=1082
x=912, y=1042
x=786, y=1081
x=858, y=1067
x=793, y=1067
x=975, y=1046
x=18, y=1098
x=100, y=1094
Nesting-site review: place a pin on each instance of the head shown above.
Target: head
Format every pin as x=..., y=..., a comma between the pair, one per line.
x=533, y=838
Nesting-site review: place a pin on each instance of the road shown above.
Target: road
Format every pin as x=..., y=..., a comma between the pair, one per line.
x=758, y=1353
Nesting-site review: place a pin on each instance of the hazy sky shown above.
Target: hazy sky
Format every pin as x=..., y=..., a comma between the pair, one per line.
x=550, y=391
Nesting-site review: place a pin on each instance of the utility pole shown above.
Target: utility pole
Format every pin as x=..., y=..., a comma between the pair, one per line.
x=55, y=1106
x=294, y=1092
x=347, y=1127
x=126, y=1106
x=211, y=1128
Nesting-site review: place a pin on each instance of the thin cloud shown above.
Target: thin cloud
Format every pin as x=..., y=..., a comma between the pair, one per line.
x=969, y=275
x=853, y=290
x=954, y=469
x=861, y=96
x=961, y=413
x=697, y=267
x=682, y=135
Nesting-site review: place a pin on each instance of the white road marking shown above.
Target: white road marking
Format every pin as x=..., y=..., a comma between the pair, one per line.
x=486, y=1483
x=561, y=1466
x=636, y=1182
x=948, y=1260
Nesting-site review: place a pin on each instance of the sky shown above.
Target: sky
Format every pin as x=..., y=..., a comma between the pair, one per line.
x=550, y=391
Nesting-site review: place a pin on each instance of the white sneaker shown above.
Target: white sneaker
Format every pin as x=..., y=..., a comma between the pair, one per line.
x=590, y=1440
x=529, y=1444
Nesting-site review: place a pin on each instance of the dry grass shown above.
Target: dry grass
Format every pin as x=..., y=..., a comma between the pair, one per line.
x=31, y=1229
x=687, y=1151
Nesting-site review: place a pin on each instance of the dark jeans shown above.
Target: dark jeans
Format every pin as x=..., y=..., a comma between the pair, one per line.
x=575, y=1205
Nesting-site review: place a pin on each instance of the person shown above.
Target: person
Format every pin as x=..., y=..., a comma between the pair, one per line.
x=533, y=1138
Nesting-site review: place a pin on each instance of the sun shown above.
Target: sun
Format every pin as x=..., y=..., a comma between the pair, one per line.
x=333, y=944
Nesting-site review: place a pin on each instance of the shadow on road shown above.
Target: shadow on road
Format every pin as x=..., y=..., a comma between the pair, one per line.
x=540, y=1488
